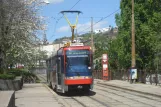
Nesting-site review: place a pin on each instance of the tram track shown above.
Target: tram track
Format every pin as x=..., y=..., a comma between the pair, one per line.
x=104, y=104
x=97, y=100
x=80, y=101
x=71, y=100
x=126, y=97
x=106, y=96
x=132, y=93
x=76, y=99
x=85, y=104
x=82, y=104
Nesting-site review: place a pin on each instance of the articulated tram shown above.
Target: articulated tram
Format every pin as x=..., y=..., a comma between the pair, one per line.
x=71, y=68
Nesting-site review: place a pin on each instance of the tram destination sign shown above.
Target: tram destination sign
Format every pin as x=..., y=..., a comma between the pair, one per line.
x=77, y=52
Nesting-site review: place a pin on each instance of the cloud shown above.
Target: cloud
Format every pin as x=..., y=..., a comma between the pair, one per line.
x=82, y=28
x=56, y=1
x=63, y=29
x=86, y=27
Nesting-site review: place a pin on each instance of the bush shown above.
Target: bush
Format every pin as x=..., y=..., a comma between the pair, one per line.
x=30, y=77
x=28, y=74
x=12, y=73
x=17, y=72
x=2, y=70
x=7, y=76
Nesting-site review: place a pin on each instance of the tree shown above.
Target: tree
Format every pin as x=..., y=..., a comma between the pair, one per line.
x=19, y=23
x=147, y=29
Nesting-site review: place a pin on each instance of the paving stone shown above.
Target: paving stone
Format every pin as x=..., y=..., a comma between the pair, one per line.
x=35, y=95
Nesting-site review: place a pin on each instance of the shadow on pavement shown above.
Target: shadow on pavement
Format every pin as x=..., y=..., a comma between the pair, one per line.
x=75, y=93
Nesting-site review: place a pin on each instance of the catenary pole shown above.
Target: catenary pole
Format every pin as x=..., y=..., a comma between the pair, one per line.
x=133, y=62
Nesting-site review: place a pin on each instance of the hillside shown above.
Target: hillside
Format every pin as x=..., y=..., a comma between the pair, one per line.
x=86, y=38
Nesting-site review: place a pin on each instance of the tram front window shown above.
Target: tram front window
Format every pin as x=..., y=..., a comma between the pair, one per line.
x=77, y=60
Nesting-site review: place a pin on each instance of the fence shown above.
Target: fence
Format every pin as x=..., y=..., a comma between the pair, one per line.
x=97, y=74
x=143, y=76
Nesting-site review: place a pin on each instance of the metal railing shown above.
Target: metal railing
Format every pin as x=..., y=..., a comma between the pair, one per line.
x=143, y=76
x=97, y=74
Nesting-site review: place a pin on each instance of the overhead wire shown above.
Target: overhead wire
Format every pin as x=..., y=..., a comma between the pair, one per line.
x=99, y=21
x=75, y=4
x=62, y=17
x=80, y=17
x=70, y=9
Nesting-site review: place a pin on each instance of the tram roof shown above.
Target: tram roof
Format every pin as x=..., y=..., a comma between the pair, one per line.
x=60, y=51
x=76, y=47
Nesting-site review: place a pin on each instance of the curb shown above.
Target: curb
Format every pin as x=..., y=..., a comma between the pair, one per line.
x=7, y=99
x=60, y=100
x=98, y=82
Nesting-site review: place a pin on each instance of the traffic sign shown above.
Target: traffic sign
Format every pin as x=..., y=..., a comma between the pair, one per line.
x=104, y=56
x=104, y=60
x=105, y=66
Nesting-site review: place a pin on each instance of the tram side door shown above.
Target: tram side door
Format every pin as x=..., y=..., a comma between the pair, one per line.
x=59, y=73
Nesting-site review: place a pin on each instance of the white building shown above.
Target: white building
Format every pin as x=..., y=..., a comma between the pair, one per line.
x=106, y=29
x=97, y=31
x=50, y=49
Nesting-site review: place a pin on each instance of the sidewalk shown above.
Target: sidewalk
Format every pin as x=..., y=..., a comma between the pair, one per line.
x=35, y=95
x=137, y=87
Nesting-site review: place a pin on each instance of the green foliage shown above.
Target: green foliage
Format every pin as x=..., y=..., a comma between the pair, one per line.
x=1, y=71
x=12, y=73
x=98, y=64
x=101, y=45
x=7, y=76
x=19, y=25
x=22, y=72
x=17, y=72
x=147, y=35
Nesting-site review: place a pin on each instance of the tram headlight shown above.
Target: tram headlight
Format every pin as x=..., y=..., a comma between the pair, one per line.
x=69, y=77
x=87, y=77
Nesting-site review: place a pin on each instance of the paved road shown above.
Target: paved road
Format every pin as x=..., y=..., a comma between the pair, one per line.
x=107, y=96
x=35, y=95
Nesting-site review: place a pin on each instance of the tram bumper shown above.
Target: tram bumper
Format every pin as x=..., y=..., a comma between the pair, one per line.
x=79, y=83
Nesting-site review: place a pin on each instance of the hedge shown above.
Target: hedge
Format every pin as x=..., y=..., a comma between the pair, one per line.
x=12, y=73
x=7, y=76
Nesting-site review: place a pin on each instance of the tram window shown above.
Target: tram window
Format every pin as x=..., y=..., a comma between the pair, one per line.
x=78, y=60
x=77, y=57
x=59, y=64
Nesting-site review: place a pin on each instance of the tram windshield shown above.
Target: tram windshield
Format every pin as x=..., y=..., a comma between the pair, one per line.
x=77, y=58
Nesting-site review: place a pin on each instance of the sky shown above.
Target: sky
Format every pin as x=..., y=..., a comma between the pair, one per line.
x=57, y=26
